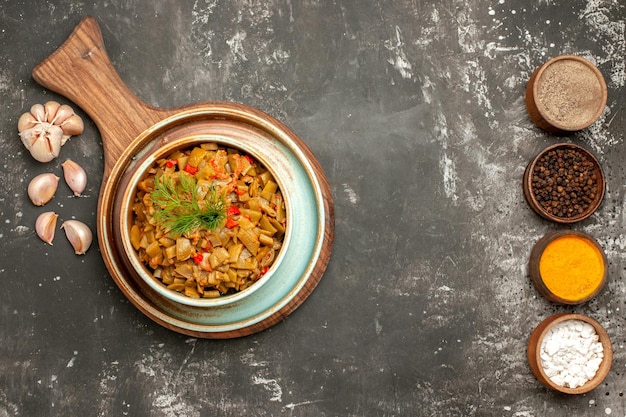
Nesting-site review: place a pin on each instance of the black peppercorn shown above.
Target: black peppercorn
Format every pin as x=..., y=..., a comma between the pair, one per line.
x=564, y=182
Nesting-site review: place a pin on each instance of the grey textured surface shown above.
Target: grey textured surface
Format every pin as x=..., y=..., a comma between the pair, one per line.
x=415, y=109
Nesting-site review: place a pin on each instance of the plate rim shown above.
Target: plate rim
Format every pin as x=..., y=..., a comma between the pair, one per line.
x=303, y=286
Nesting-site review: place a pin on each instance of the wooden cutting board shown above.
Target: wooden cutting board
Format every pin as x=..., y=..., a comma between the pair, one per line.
x=81, y=70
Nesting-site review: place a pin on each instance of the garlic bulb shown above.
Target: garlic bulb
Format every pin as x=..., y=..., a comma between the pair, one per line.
x=45, y=226
x=46, y=128
x=75, y=176
x=43, y=142
x=79, y=235
x=41, y=189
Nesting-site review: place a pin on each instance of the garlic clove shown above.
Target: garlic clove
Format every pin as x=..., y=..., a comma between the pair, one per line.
x=62, y=114
x=44, y=144
x=26, y=121
x=41, y=189
x=39, y=112
x=73, y=125
x=51, y=108
x=75, y=176
x=45, y=226
x=79, y=235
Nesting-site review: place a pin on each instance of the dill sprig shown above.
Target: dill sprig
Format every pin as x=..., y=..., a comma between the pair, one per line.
x=178, y=208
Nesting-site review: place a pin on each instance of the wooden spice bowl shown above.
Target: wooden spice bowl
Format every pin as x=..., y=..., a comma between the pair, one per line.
x=566, y=94
x=534, y=347
x=587, y=293
x=530, y=191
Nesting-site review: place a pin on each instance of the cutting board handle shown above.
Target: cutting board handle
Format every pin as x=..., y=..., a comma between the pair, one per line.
x=81, y=70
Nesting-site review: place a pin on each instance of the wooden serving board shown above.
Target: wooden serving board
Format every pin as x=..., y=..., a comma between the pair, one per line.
x=81, y=70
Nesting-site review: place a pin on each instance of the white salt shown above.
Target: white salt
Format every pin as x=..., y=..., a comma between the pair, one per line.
x=571, y=353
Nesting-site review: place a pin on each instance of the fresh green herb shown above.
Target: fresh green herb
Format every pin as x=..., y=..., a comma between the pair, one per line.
x=179, y=209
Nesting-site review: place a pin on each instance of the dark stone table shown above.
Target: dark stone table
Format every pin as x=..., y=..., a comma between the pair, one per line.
x=415, y=110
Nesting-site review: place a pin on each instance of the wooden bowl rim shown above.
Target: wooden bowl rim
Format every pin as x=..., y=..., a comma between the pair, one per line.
x=534, y=346
x=535, y=257
x=601, y=103
x=534, y=204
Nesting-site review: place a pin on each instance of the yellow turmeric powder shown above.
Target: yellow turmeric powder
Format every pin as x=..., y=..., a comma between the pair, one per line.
x=571, y=267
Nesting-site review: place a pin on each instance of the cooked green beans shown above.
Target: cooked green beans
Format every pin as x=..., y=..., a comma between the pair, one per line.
x=208, y=221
